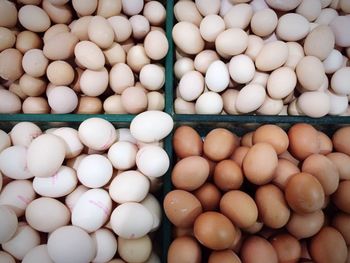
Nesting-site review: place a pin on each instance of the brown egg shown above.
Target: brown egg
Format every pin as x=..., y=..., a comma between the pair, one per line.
x=240, y=208
x=341, y=198
x=60, y=46
x=134, y=100
x=60, y=73
x=214, y=230
x=256, y=249
x=342, y=162
x=35, y=105
x=341, y=140
x=184, y=250
x=326, y=145
x=247, y=139
x=328, y=246
x=273, y=209
x=187, y=142
x=11, y=64
x=209, y=196
x=273, y=135
x=287, y=247
x=32, y=86
x=341, y=222
x=89, y=105
x=190, y=173
x=219, y=144
x=303, y=140
x=287, y=156
x=239, y=154
x=305, y=225
x=324, y=170
x=304, y=193
x=27, y=40
x=223, y=256
x=260, y=163
x=228, y=175
x=181, y=207
x=285, y=169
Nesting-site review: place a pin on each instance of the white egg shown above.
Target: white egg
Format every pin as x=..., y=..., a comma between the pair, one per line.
x=13, y=162
x=38, y=254
x=241, y=68
x=24, y=133
x=209, y=103
x=217, y=76
x=122, y=155
x=152, y=161
x=191, y=85
x=106, y=244
x=9, y=223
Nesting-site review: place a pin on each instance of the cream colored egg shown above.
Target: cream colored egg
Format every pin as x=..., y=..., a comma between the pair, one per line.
x=33, y=18
x=60, y=73
x=314, y=104
x=38, y=254
x=132, y=7
x=229, y=99
x=134, y=99
x=106, y=244
x=309, y=9
x=122, y=155
x=156, y=101
x=121, y=77
x=187, y=37
x=10, y=102
x=6, y=257
x=272, y=56
x=125, y=220
x=208, y=7
x=271, y=107
x=250, y=98
x=333, y=62
x=89, y=55
x=155, y=12
x=137, y=57
x=264, y=22
x=140, y=26
x=295, y=54
x=70, y=136
x=326, y=16
x=152, y=77
x=70, y=244
x=152, y=161
x=217, y=76
x=9, y=223
x=113, y=105
x=292, y=27
x=338, y=103
x=115, y=54
x=35, y=105
x=285, y=5
x=211, y=26
x=35, y=63
x=22, y=242
x=310, y=73
x=92, y=210
x=184, y=107
x=57, y=13
x=209, y=103
x=187, y=11
x=8, y=14
x=319, y=42
x=7, y=38
x=94, y=82
x=135, y=250
x=108, y=8
x=55, y=30
x=11, y=64
x=80, y=26
x=281, y=83
x=62, y=99
x=129, y=186
x=242, y=68
x=203, y=60
x=84, y=7
x=339, y=27
x=121, y=26
x=156, y=45
x=31, y=86
x=100, y=32
x=17, y=202
x=58, y=185
x=191, y=85
x=38, y=218
x=182, y=66
x=238, y=16
x=255, y=44
x=27, y=40
x=60, y=46
x=339, y=81
x=13, y=162
x=231, y=42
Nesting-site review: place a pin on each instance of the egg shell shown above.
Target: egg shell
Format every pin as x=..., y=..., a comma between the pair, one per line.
x=13, y=162
x=134, y=99
x=84, y=8
x=214, y=230
x=273, y=208
x=6, y=257
x=60, y=46
x=338, y=26
x=187, y=142
x=11, y=64
x=232, y=41
x=60, y=73
x=34, y=62
x=187, y=11
x=273, y=135
x=241, y=68
x=281, y=82
x=41, y=20
x=100, y=32
x=125, y=220
x=152, y=161
x=184, y=248
x=62, y=99
x=340, y=140
x=10, y=223
x=285, y=169
x=122, y=155
x=72, y=198
x=191, y=85
x=223, y=256
x=60, y=184
x=95, y=60
x=181, y=208
x=265, y=161
x=22, y=242
x=273, y=55
x=8, y=14
x=114, y=54
x=129, y=186
x=209, y=196
x=240, y=208
x=70, y=244
x=309, y=10
x=264, y=22
x=312, y=46
x=38, y=254
x=108, y=8
x=258, y=249
x=121, y=26
x=154, y=12
x=250, y=98
x=151, y=126
x=211, y=26
x=152, y=77
x=137, y=58
x=292, y=27
x=341, y=161
x=17, y=202
x=57, y=13
x=121, y=77
x=228, y=175
x=304, y=193
x=92, y=210
x=183, y=65
x=70, y=136
x=106, y=244
x=135, y=250
x=152, y=204
x=238, y=16
x=37, y=217
x=229, y=98
x=280, y=242
x=97, y=133
x=156, y=45
x=327, y=245
x=339, y=78
x=340, y=197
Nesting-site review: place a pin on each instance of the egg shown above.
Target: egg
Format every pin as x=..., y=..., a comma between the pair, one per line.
x=58, y=14
x=341, y=223
x=239, y=154
x=285, y=169
x=304, y=193
x=84, y=9
x=60, y=73
x=122, y=155
x=238, y=16
x=37, y=254
x=95, y=60
x=70, y=136
x=152, y=77
x=129, y=186
x=211, y=26
x=340, y=139
x=209, y=103
x=241, y=68
x=187, y=142
x=105, y=239
x=156, y=45
x=232, y=41
x=121, y=27
x=264, y=22
x=250, y=98
x=224, y=256
x=152, y=204
x=312, y=42
x=338, y=79
x=72, y=198
x=341, y=161
x=219, y=144
x=340, y=198
x=125, y=220
x=36, y=211
x=256, y=249
x=217, y=76
x=240, y=208
x=273, y=135
x=292, y=27
x=272, y=56
x=135, y=250
x=41, y=20
x=34, y=62
x=65, y=242
x=228, y=175
x=62, y=99
x=10, y=223
x=328, y=245
x=8, y=14
x=287, y=247
x=272, y=206
x=184, y=249
x=209, y=196
x=100, y=32
x=338, y=24
x=11, y=64
x=137, y=58
x=61, y=46
x=181, y=208
x=187, y=11
x=13, y=162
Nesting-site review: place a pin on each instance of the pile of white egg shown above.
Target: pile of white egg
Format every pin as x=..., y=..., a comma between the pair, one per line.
x=82, y=56
x=82, y=195
x=266, y=57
